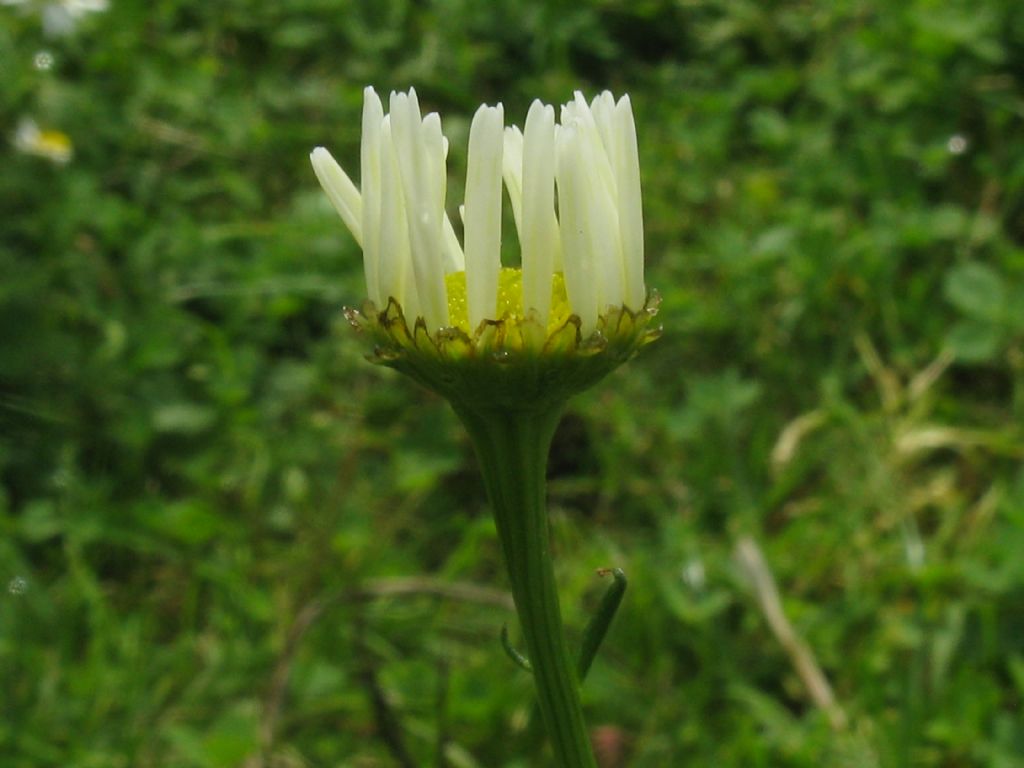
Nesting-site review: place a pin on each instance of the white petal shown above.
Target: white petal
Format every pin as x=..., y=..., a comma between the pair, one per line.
x=420, y=150
x=602, y=108
x=454, y=259
x=574, y=226
x=483, y=214
x=591, y=135
x=395, y=268
x=602, y=219
x=631, y=224
x=512, y=171
x=571, y=110
x=340, y=191
x=370, y=183
x=539, y=229
x=437, y=158
x=602, y=198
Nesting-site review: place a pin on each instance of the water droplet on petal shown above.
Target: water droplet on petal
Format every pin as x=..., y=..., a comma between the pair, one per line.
x=352, y=315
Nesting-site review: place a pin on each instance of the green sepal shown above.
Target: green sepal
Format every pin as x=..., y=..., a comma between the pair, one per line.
x=509, y=363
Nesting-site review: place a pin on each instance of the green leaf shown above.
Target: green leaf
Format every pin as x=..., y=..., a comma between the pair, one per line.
x=187, y=521
x=40, y=521
x=975, y=342
x=977, y=290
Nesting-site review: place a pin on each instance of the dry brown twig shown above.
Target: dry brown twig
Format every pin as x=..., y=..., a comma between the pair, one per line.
x=750, y=558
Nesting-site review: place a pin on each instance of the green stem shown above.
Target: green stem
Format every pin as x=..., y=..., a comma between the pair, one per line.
x=512, y=447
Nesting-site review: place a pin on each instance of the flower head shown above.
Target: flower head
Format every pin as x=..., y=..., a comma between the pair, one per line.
x=446, y=311
x=54, y=145
x=60, y=17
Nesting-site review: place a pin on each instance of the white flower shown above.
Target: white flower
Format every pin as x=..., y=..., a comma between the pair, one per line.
x=591, y=230
x=52, y=144
x=60, y=17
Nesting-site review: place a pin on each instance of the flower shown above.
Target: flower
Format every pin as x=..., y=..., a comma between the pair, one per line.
x=54, y=145
x=576, y=202
x=61, y=17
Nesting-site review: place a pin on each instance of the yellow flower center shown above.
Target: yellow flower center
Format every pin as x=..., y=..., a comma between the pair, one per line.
x=510, y=300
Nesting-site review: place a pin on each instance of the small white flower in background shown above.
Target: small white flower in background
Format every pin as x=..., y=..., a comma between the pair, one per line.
x=53, y=145
x=43, y=61
x=575, y=194
x=957, y=144
x=60, y=18
x=18, y=585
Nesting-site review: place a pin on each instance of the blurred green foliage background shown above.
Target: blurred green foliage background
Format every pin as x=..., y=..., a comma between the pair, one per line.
x=226, y=540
